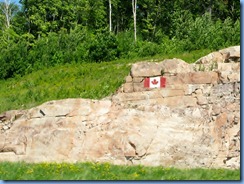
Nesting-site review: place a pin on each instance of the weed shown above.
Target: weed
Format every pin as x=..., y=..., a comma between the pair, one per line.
x=106, y=171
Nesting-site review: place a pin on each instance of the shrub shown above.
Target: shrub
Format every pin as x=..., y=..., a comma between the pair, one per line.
x=148, y=49
x=13, y=60
x=103, y=47
x=126, y=45
x=204, y=32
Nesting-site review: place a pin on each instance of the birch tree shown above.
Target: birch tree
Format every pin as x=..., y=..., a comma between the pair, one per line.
x=134, y=6
x=110, y=15
x=8, y=9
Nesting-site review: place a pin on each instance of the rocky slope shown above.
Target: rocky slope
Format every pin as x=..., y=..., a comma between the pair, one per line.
x=194, y=121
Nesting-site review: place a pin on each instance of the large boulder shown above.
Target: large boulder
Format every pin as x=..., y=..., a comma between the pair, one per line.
x=230, y=54
x=194, y=121
x=149, y=69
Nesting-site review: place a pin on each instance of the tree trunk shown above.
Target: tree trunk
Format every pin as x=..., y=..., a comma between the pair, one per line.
x=7, y=13
x=110, y=16
x=134, y=4
x=210, y=8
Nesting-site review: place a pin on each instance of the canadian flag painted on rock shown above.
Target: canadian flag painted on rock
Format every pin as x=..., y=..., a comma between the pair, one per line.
x=154, y=82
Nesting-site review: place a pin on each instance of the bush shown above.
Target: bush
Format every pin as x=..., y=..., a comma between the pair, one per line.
x=103, y=47
x=13, y=60
x=126, y=45
x=148, y=49
x=203, y=33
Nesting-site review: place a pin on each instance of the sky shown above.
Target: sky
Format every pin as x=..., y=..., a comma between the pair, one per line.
x=14, y=1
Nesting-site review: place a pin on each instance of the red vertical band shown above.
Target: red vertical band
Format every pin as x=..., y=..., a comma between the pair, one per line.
x=146, y=82
x=162, y=82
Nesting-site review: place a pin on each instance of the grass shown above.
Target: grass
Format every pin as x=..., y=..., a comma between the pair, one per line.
x=78, y=80
x=106, y=171
x=87, y=80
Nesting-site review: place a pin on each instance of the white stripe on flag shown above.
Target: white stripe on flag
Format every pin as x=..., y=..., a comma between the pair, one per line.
x=154, y=82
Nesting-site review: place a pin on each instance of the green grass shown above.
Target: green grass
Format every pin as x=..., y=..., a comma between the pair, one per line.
x=106, y=171
x=88, y=80
x=84, y=80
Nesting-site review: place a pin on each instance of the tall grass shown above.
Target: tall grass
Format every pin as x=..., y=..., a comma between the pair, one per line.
x=85, y=80
x=106, y=171
x=68, y=81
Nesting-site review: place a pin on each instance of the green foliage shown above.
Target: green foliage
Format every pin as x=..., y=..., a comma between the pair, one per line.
x=53, y=32
x=106, y=171
x=148, y=49
x=103, y=47
x=74, y=80
x=204, y=32
x=86, y=80
x=12, y=55
x=126, y=44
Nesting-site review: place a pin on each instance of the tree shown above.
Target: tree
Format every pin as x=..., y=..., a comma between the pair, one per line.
x=97, y=14
x=233, y=8
x=134, y=7
x=121, y=17
x=8, y=10
x=110, y=15
x=47, y=16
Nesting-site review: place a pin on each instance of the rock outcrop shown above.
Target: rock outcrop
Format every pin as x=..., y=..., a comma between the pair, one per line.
x=193, y=122
x=231, y=54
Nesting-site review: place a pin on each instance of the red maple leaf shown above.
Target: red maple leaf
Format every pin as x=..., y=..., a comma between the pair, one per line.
x=154, y=82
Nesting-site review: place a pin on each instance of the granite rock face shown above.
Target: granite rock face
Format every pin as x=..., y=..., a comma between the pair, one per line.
x=231, y=54
x=194, y=121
